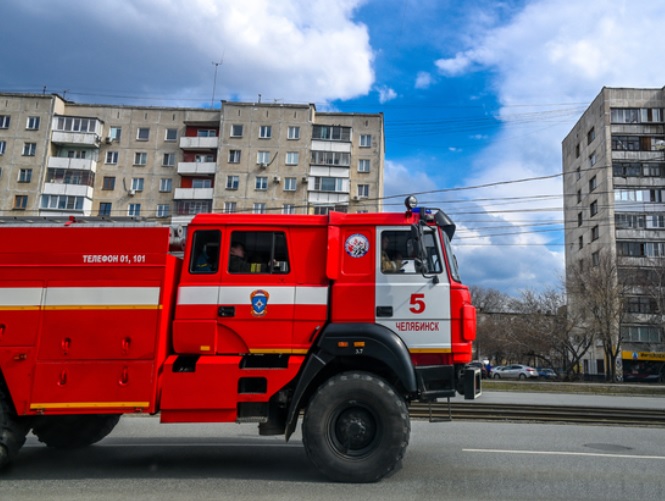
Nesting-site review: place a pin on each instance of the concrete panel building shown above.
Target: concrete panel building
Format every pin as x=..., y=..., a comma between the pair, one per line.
x=614, y=204
x=62, y=158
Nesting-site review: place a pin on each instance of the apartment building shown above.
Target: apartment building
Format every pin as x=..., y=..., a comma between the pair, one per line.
x=614, y=204
x=62, y=158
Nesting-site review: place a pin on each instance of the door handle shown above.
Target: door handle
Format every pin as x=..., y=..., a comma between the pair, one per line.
x=226, y=311
x=384, y=311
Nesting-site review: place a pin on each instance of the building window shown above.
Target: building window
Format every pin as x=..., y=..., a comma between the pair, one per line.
x=3, y=147
x=229, y=207
x=625, y=143
x=134, y=210
x=640, y=305
x=579, y=219
x=323, y=210
x=206, y=133
x=108, y=183
x=24, y=175
x=236, y=130
x=365, y=140
x=332, y=158
x=333, y=184
x=595, y=259
x=169, y=160
x=293, y=133
x=76, y=124
x=171, y=135
x=234, y=156
x=5, y=120
x=265, y=132
x=163, y=210
x=595, y=233
x=593, y=183
x=29, y=149
x=20, y=202
x=143, y=134
x=232, y=182
x=105, y=209
x=290, y=184
x=577, y=150
x=292, y=157
x=259, y=208
x=115, y=133
x=363, y=165
x=591, y=135
x=363, y=190
x=261, y=183
x=580, y=242
x=61, y=202
x=593, y=158
x=202, y=183
x=112, y=157
x=578, y=174
x=263, y=157
x=641, y=334
x=288, y=209
x=166, y=185
x=593, y=208
x=331, y=133
x=140, y=158
x=204, y=158
x=33, y=123
x=579, y=196
x=137, y=184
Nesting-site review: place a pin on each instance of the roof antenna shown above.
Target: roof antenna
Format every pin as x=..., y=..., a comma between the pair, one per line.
x=214, y=82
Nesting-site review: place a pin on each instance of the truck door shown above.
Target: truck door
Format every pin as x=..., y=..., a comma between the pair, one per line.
x=412, y=297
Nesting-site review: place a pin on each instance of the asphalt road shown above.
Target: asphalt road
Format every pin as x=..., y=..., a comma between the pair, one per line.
x=145, y=460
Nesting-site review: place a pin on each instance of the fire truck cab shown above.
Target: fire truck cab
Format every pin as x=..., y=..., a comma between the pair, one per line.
x=345, y=317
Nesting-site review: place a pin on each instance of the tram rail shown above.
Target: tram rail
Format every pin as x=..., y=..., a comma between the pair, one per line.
x=463, y=411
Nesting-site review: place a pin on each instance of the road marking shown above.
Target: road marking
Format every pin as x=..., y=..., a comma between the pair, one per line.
x=560, y=453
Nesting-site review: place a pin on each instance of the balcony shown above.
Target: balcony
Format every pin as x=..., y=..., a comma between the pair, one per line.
x=192, y=168
x=72, y=163
x=193, y=194
x=199, y=143
x=74, y=190
x=89, y=139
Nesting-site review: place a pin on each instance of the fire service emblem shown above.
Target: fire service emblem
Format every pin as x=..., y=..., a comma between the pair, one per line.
x=259, y=299
x=356, y=245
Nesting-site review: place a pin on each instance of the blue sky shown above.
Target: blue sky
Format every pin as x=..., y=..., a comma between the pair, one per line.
x=477, y=95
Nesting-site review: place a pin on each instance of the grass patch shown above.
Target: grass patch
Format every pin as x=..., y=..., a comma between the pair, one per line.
x=641, y=390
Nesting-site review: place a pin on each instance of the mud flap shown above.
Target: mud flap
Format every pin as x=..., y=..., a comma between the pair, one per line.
x=472, y=384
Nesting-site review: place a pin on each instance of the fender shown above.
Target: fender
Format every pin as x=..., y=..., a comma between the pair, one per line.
x=350, y=340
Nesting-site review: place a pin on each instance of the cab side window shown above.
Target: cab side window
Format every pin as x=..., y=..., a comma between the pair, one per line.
x=205, y=252
x=258, y=252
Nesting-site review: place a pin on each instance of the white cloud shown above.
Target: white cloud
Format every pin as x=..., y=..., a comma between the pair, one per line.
x=386, y=94
x=295, y=50
x=423, y=80
x=559, y=53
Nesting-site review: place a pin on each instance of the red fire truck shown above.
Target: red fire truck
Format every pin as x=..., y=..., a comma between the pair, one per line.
x=346, y=318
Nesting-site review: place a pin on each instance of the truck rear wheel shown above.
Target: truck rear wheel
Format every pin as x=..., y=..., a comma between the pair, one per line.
x=12, y=431
x=75, y=431
x=356, y=428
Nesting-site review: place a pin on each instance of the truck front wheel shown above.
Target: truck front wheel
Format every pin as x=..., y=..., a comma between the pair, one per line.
x=12, y=431
x=74, y=431
x=356, y=428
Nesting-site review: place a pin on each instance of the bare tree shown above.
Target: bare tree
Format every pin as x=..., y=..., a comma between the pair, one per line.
x=599, y=297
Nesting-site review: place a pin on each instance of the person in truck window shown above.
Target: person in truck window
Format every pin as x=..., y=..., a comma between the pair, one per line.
x=389, y=265
x=237, y=261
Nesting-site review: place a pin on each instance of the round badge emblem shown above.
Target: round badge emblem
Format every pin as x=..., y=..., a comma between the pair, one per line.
x=356, y=245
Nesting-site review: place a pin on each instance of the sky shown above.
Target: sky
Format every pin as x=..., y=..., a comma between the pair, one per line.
x=477, y=96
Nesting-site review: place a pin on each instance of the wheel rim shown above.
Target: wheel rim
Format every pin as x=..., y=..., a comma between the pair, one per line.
x=354, y=430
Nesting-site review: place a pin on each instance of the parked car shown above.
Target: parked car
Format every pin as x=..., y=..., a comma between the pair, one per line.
x=547, y=374
x=478, y=365
x=494, y=370
x=516, y=371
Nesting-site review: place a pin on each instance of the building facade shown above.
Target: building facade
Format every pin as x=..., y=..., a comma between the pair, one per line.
x=614, y=205
x=63, y=158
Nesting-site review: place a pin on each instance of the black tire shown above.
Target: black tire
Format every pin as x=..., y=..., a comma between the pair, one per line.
x=75, y=431
x=496, y=376
x=13, y=430
x=522, y=377
x=356, y=428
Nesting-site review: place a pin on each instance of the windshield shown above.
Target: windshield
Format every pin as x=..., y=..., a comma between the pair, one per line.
x=450, y=257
